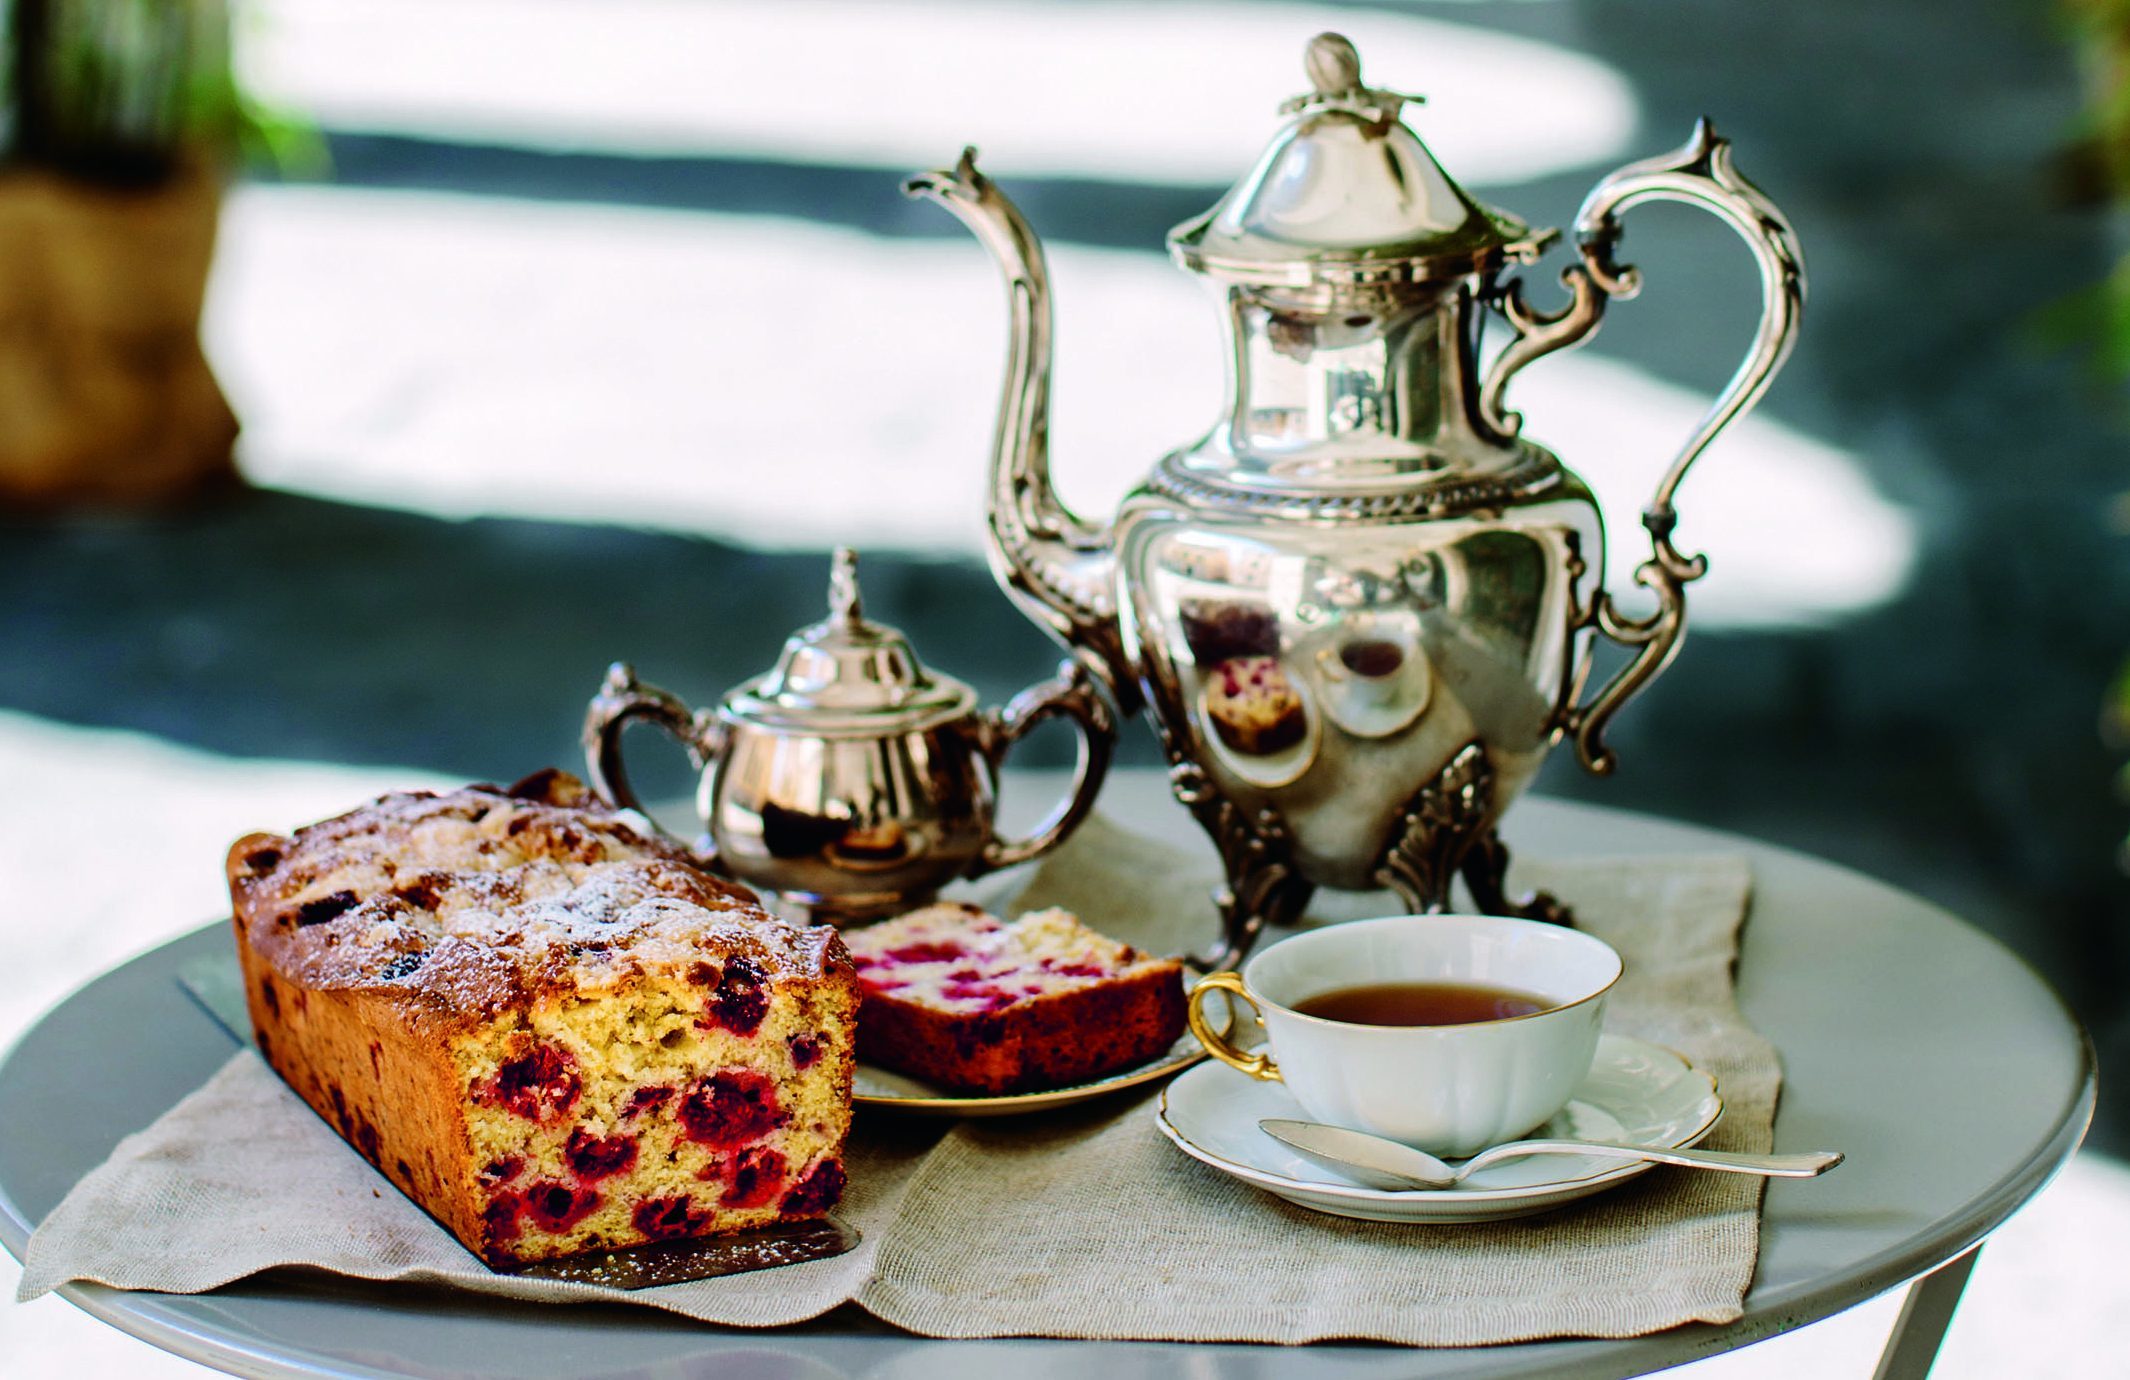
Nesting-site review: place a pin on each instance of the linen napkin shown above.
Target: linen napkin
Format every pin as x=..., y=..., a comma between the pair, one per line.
x=1083, y=1222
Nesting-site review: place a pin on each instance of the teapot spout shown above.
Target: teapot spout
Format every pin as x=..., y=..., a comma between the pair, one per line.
x=1057, y=567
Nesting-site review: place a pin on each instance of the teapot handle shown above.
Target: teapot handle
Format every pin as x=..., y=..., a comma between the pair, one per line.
x=621, y=698
x=1070, y=694
x=1700, y=174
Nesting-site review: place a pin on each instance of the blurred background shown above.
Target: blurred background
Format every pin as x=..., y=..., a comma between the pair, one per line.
x=562, y=331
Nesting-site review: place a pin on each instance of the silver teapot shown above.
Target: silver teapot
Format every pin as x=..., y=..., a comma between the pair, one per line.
x=851, y=780
x=1363, y=606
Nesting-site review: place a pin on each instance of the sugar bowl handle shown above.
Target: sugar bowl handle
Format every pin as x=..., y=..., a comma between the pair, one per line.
x=622, y=698
x=1071, y=694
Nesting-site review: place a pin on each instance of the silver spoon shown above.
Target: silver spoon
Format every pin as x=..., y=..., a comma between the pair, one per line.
x=1387, y=1164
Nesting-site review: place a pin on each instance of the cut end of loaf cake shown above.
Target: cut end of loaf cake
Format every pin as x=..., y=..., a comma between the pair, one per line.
x=714, y=1100
x=980, y=1005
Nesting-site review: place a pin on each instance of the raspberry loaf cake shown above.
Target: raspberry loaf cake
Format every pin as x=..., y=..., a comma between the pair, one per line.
x=552, y=1032
x=977, y=1005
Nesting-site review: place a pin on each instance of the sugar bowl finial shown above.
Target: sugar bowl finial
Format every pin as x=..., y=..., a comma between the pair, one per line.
x=845, y=604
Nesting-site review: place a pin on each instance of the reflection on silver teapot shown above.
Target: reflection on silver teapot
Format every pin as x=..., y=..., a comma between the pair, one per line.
x=1363, y=606
x=851, y=780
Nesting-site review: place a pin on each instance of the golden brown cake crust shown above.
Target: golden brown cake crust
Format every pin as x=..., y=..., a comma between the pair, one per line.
x=483, y=899
x=548, y=1028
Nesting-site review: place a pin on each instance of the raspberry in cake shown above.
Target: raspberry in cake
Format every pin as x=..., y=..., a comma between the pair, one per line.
x=553, y=1032
x=978, y=1005
x=1253, y=706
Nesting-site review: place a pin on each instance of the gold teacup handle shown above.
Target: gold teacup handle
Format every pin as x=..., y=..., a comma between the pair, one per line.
x=1216, y=1043
x=1333, y=669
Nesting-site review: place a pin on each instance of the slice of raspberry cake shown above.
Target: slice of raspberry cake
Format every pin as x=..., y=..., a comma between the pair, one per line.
x=977, y=1005
x=552, y=1032
x=1253, y=706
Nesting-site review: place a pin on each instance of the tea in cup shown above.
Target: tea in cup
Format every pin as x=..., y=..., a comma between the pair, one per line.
x=1372, y=659
x=1447, y=1032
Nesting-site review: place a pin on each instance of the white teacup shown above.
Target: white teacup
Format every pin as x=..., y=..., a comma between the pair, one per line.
x=1449, y=1089
x=1374, y=674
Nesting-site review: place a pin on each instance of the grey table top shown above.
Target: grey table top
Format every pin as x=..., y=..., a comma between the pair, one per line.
x=1952, y=1076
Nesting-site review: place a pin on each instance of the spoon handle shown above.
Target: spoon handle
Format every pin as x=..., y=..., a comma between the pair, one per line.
x=1803, y=1165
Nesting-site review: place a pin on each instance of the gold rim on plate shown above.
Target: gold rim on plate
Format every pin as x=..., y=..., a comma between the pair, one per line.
x=1181, y=1055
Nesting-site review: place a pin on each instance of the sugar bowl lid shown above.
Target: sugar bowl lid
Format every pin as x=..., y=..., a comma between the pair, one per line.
x=1346, y=193
x=847, y=676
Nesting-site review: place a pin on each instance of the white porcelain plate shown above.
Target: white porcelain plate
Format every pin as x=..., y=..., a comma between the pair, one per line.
x=877, y=1087
x=1636, y=1092
x=1273, y=768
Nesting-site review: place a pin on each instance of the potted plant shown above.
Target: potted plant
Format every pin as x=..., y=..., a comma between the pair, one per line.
x=119, y=122
x=2099, y=318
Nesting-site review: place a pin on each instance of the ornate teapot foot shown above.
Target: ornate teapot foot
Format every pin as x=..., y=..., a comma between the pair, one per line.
x=1445, y=834
x=1262, y=886
x=1267, y=893
x=1439, y=826
x=1485, y=869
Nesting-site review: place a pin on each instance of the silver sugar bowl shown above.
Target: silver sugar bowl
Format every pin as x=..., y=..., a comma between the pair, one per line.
x=851, y=780
x=1362, y=607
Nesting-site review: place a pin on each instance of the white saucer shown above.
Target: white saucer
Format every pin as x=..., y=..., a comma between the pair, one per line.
x=1637, y=1092
x=1364, y=720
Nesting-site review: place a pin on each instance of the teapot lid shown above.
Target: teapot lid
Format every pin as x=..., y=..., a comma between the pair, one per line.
x=1345, y=193
x=847, y=676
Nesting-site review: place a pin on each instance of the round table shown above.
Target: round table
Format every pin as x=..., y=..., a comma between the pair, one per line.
x=1949, y=1072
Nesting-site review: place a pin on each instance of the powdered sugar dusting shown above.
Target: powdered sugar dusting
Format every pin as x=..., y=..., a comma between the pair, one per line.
x=958, y=959
x=477, y=895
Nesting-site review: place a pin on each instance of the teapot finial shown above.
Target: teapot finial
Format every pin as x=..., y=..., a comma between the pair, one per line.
x=1333, y=64
x=1334, y=68
x=844, y=603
